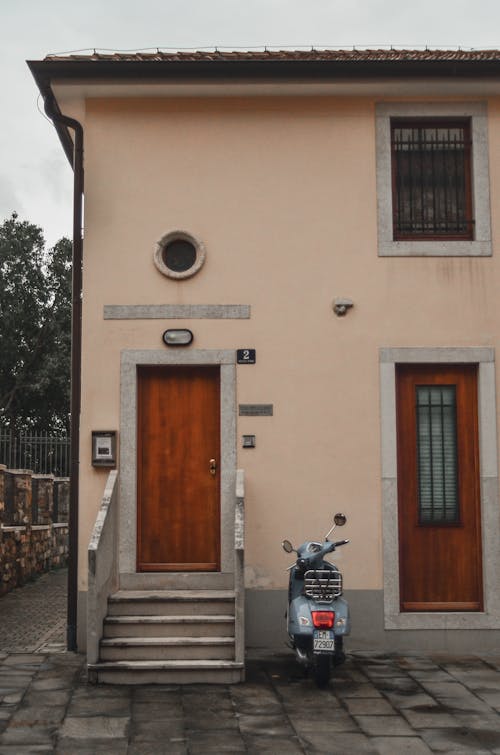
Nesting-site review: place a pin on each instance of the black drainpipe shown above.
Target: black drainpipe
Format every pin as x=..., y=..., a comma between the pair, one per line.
x=55, y=115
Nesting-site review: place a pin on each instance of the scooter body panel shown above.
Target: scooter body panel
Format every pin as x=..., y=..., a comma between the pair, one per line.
x=300, y=621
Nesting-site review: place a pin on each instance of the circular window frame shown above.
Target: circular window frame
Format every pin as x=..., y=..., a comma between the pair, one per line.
x=168, y=238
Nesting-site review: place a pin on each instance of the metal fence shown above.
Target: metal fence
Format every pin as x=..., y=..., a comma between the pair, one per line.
x=43, y=453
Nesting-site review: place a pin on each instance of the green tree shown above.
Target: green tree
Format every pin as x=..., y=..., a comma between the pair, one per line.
x=35, y=328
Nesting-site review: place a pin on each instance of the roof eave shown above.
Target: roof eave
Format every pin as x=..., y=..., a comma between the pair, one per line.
x=46, y=70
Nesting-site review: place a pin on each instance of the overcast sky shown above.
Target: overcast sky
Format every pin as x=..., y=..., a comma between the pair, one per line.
x=35, y=178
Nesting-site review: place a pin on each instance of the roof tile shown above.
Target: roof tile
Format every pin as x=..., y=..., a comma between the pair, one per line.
x=312, y=55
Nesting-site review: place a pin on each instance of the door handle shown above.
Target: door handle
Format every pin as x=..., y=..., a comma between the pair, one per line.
x=213, y=467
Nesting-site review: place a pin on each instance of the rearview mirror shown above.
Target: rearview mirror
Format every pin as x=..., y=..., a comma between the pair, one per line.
x=287, y=546
x=340, y=519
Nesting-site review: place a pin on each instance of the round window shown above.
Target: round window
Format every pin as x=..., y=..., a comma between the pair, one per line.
x=179, y=255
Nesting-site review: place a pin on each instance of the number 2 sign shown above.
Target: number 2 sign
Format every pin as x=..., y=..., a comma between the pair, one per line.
x=245, y=356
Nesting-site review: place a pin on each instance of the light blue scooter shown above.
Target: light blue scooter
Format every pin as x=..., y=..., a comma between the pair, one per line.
x=318, y=617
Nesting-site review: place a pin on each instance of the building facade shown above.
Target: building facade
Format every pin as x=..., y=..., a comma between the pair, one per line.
x=325, y=225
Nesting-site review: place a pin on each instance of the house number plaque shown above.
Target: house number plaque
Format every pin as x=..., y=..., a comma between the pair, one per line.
x=245, y=356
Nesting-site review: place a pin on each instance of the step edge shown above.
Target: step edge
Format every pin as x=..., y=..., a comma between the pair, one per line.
x=184, y=596
x=170, y=641
x=179, y=665
x=177, y=619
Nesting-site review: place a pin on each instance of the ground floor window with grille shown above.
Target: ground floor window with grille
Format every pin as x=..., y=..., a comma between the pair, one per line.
x=436, y=422
x=431, y=178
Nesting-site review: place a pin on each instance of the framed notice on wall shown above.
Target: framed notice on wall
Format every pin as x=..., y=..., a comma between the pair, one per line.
x=104, y=448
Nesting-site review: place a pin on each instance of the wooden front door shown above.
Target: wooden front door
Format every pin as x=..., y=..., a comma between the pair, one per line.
x=178, y=440
x=438, y=488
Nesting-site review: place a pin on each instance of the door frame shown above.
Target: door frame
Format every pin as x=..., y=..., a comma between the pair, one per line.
x=130, y=360
x=484, y=358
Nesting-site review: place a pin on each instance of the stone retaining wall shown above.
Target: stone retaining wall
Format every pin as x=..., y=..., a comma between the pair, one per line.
x=33, y=525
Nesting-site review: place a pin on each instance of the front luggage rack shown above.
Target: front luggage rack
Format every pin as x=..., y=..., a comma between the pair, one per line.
x=322, y=585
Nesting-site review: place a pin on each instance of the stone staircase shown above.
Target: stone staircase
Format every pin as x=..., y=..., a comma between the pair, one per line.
x=169, y=636
x=163, y=627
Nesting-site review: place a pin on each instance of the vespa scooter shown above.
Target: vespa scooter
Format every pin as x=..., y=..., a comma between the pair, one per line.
x=318, y=617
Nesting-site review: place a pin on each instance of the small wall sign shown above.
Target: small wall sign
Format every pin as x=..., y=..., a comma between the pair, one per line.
x=245, y=356
x=255, y=410
x=103, y=448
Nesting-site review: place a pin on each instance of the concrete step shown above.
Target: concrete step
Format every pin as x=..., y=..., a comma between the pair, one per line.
x=218, y=625
x=169, y=636
x=167, y=648
x=177, y=581
x=167, y=672
x=170, y=602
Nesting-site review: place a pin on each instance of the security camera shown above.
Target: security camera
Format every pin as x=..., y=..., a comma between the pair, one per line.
x=341, y=305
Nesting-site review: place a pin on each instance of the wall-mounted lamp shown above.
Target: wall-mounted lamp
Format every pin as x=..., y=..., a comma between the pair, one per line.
x=177, y=337
x=341, y=305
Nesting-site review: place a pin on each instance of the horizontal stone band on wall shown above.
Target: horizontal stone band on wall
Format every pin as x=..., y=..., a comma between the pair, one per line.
x=177, y=311
x=256, y=410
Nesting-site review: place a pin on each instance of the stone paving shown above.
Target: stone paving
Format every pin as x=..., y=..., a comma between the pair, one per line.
x=386, y=704
x=375, y=704
x=33, y=618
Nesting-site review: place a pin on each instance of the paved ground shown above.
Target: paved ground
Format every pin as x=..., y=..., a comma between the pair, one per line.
x=33, y=618
x=375, y=704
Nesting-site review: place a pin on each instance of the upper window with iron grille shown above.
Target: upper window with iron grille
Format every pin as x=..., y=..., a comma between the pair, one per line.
x=431, y=179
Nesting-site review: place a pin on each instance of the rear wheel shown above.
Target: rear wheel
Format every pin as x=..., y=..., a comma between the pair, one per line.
x=322, y=664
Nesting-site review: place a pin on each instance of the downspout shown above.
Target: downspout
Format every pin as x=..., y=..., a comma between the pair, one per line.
x=56, y=116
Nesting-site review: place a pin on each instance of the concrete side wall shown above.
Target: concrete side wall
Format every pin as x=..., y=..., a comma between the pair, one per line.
x=103, y=566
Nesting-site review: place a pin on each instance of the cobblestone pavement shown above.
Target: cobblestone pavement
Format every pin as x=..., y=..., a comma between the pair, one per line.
x=33, y=618
x=386, y=704
x=375, y=704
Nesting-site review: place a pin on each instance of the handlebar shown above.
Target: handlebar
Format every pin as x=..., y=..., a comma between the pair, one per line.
x=306, y=561
x=340, y=542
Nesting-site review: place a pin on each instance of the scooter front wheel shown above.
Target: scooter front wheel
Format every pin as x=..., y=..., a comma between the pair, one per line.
x=322, y=664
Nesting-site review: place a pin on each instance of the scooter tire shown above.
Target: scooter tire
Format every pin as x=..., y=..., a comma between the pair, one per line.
x=322, y=665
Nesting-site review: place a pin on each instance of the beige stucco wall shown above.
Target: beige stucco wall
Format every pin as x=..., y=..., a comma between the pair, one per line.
x=283, y=195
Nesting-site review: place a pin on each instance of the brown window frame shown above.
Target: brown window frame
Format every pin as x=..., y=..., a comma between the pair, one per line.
x=465, y=217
